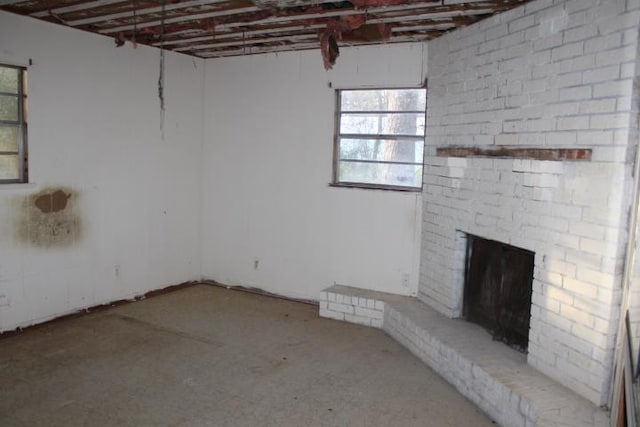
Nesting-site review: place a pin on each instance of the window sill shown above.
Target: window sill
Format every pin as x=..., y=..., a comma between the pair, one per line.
x=18, y=186
x=377, y=187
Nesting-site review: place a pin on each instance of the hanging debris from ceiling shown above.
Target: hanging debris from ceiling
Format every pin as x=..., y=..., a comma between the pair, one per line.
x=134, y=30
x=161, y=74
x=120, y=38
x=350, y=28
x=329, y=49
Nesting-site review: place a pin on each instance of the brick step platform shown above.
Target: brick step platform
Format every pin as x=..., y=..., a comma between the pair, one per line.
x=490, y=374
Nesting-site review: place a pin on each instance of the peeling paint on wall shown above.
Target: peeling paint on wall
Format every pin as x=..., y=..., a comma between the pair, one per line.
x=49, y=218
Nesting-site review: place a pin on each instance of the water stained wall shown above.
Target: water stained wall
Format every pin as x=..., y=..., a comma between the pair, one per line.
x=49, y=218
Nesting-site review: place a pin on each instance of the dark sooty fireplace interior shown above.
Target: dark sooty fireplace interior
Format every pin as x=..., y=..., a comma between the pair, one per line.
x=497, y=291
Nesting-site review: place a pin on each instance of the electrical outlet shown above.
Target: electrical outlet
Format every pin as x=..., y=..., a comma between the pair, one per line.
x=256, y=263
x=4, y=301
x=405, y=280
x=116, y=271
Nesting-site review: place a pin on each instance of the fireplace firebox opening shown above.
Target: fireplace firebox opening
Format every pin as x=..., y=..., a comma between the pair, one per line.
x=497, y=290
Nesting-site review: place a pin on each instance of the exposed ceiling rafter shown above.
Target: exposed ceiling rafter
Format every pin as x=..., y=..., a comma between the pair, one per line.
x=215, y=28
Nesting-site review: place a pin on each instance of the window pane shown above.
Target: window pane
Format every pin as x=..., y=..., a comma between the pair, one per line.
x=384, y=100
x=9, y=79
x=382, y=149
x=9, y=166
x=366, y=155
x=383, y=123
x=9, y=108
x=383, y=174
x=8, y=138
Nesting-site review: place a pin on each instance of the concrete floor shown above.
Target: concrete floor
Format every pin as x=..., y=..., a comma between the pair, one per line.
x=206, y=356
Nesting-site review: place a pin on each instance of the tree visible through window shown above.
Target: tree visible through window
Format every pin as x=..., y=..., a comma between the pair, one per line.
x=13, y=147
x=380, y=138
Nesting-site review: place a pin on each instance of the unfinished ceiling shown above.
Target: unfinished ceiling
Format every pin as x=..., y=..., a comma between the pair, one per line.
x=214, y=28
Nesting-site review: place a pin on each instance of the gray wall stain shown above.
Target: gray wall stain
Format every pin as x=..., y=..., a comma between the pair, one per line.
x=49, y=218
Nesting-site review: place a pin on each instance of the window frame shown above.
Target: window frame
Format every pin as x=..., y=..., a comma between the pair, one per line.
x=20, y=125
x=337, y=136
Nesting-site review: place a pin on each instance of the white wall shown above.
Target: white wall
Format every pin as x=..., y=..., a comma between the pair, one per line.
x=137, y=198
x=549, y=74
x=94, y=131
x=267, y=163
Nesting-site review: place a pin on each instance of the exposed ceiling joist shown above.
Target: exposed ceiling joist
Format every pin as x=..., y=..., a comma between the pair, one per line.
x=216, y=28
x=277, y=18
x=141, y=12
x=285, y=48
x=73, y=8
x=186, y=18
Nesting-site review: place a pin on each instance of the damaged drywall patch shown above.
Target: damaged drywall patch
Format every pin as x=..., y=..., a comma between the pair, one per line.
x=49, y=218
x=52, y=202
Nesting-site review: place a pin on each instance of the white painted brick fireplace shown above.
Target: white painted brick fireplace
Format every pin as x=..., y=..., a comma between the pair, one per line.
x=553, y=75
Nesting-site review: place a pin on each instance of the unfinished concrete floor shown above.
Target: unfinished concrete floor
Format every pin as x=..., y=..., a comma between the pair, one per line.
x=206, y=356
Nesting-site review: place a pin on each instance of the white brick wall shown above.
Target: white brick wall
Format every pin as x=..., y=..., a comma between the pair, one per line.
x=634, y=272
x=551, y=74
x=363, y=310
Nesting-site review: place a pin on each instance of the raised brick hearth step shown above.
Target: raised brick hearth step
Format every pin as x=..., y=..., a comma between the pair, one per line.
x=490, y=374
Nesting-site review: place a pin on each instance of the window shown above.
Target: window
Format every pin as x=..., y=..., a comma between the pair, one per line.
x=13, y=127
x=380, y=138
